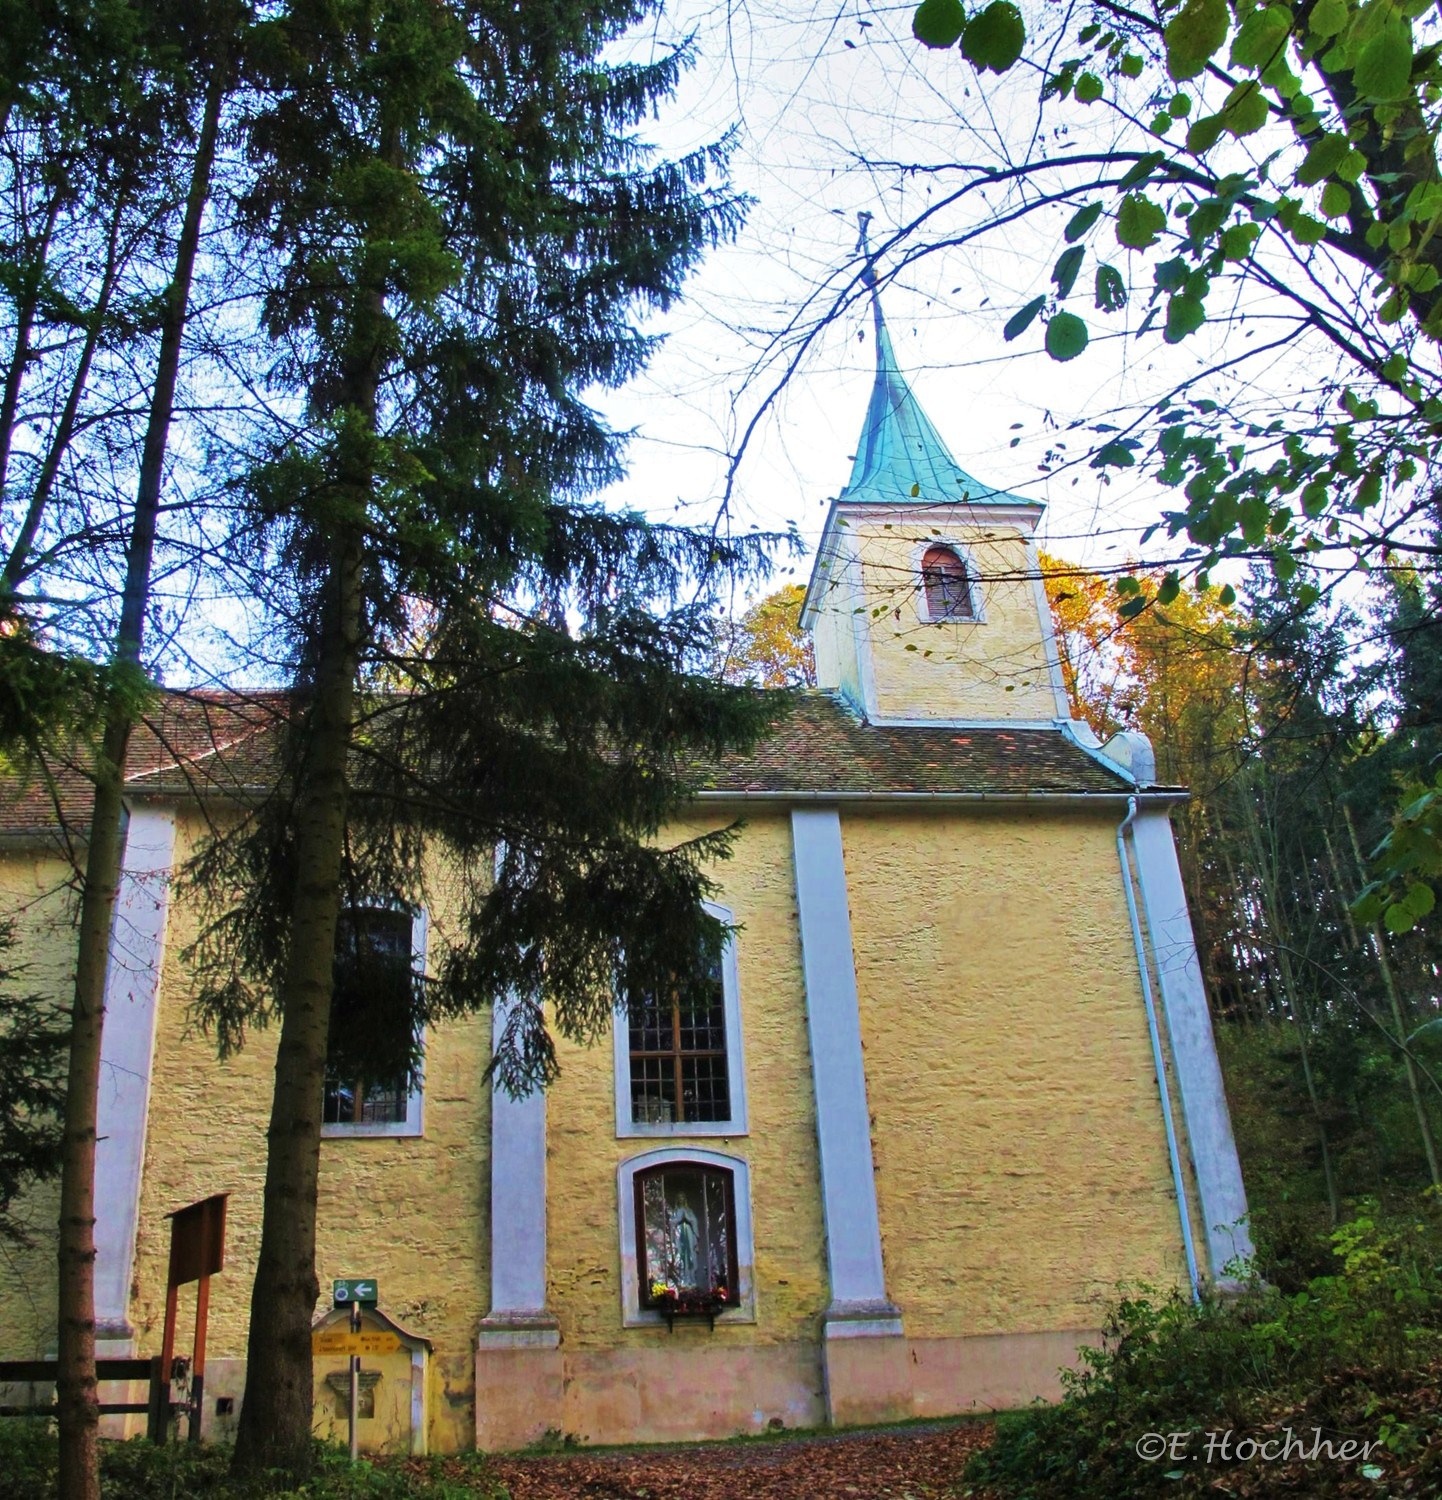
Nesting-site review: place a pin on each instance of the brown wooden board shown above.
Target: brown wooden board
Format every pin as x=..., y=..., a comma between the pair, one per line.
x=197, y=1240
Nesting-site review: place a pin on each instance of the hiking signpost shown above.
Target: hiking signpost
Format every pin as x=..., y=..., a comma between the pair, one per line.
x=354, y=1292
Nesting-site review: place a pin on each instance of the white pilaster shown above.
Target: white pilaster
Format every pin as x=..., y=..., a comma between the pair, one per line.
x=843, y=1125
x=1194, y=1051
x=132, y=994
x=518, y=1317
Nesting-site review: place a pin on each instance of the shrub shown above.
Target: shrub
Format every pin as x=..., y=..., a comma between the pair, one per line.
x=1347, y=1352
x=139, y=1470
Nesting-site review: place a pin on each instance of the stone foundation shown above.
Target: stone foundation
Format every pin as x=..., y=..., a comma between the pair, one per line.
x=691, y=1389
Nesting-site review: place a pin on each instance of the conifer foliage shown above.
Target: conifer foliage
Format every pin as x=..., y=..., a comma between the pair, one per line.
x=461, y=226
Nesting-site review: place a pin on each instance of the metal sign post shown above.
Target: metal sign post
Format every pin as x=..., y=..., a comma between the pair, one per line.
x=354, y=1387
x=355, y=1292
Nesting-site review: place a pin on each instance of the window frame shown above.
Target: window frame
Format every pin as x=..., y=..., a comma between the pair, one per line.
x=733, y=1260
x=634, y=1314
x=414, y=1122
x=973, y=582
x=737, y=1124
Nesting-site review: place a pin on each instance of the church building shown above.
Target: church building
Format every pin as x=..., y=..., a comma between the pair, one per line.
x=954, y=1084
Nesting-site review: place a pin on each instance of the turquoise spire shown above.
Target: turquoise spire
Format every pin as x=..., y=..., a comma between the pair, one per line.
x=899, y=448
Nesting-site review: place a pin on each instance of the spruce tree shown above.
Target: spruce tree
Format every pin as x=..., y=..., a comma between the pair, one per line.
x=487, y=662
x=110, y=115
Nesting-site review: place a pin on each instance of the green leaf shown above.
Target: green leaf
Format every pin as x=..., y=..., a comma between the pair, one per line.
x=938, y=23
x=1171, y=586
x=1139, y=222
x=1227, y=597
x=1303, y=228
x=1132, y=608
x=1350, y=168
x=1088, y=89
x=1244, y=111
x=1141, y=169
x=1261, y=36
x=1120, y=453
x=994, y=37
x=1185, y=314
x=1193, y=35
x=1019, y=322
x=1238, y=239
x=1111, y=290
x=1132, y=65
x=1205, y=134
x=1081, y=221
x=1323, y=158
x=1180, y=105
x=1064, y=273
x=1328, y=17
x=1336, y=200
x=1397, y=919
x=1128, y=585
x=1384, y=65
x=1419, y=899
x=1066, y=337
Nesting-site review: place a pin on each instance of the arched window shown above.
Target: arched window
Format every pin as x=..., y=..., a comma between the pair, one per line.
x=686, y=1237
x=946, y=582
x=686, y=1241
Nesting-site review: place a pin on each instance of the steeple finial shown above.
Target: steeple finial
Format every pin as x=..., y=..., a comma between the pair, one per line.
x=863, y=244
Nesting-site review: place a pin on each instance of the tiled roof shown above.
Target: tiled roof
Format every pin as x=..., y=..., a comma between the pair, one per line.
x=821, y=747
x=196, y=743
x=187, y=741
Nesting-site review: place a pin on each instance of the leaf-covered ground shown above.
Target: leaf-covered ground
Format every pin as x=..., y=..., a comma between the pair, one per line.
x=913, y=1463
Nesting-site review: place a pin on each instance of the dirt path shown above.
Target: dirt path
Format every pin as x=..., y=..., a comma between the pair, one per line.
x=912, y=1463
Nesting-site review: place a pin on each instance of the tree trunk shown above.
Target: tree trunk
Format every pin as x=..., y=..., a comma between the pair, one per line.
x=1267, y=861
x=1389, y=983
x=1340, y=888
x=277, y=1413
x=79, y=1477
x=26, y=307
x=76, y=1393
x=19, y=558
x=1302, y=1019
x=275, y=1419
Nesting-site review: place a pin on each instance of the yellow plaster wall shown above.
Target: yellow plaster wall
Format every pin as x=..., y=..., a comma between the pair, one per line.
x=995, y=668
x=1020, y=1158
x=758, y=885
x=413, y=1212
x=833, y=629
x=35, y=895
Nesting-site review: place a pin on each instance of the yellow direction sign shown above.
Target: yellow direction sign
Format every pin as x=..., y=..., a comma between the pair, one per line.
x=343, y=1341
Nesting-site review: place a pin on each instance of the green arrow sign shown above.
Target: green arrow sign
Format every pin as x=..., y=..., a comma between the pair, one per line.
x=354, y=1289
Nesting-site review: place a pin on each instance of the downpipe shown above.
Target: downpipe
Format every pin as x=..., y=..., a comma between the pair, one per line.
x=1149, y=999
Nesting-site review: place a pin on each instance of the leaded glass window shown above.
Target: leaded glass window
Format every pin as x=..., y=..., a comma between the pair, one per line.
x=372, y=979
x=678, y=1057
x=685, y=1235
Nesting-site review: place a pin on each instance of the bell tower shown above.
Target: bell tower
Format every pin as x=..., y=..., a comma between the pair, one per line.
x=926, y=603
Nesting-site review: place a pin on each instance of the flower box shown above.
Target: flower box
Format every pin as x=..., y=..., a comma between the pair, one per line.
x=673, y=1302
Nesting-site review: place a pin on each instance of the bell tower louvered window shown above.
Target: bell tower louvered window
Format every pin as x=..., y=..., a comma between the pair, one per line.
x=946, y=583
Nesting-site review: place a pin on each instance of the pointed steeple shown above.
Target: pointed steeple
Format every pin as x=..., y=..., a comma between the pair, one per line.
x=899, y=448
